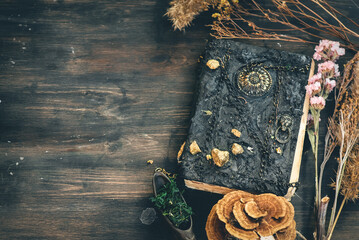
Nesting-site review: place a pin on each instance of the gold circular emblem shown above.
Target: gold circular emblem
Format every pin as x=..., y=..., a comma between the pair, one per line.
x=254, y=82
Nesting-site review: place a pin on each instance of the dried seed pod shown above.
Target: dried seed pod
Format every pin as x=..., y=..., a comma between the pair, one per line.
x=220, y=157
x=194, y=148
x=179, y=154
x=237, y=149
x=212, y=64
x=236, y=132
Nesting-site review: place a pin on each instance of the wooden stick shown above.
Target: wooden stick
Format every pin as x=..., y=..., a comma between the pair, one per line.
x=207, y=187
x=294, y=176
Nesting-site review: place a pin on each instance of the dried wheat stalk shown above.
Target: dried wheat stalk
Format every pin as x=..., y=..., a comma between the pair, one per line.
x=343, y=131
x=182, y=12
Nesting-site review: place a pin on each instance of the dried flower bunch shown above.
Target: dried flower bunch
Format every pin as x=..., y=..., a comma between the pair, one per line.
x=244, y=19
x=246, y=216
x=348, y=105
x=343, y=132
x=318, y=88
x=182, y=12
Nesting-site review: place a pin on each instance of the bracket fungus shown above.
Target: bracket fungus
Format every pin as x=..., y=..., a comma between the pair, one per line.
x=214, y=227
x=247, y=216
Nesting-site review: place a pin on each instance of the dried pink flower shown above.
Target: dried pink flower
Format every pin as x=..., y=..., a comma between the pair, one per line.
x=317, y=56
x=329, y=85
x=315, y=78
x=328, y=50
x=313, y=89
x=328, y=69
x=336, y=70
x=326, y=66
x=317, y=102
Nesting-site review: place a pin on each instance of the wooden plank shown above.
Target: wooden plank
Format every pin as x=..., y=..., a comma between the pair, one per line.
x=91, y=90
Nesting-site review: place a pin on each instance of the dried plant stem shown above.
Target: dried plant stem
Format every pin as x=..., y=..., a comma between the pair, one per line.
x=315, y=144
x=336, y=219
x=343, y=131
x=335, y=18
x=347, y=143
x=322, y=213
x=293, y=15
x=301, y=235
x=329, y=146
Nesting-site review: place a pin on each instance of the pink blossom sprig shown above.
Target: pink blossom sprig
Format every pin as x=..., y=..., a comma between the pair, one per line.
x=315, y=78
x=313, y=89
x=319, y=87
x=321, y=84
x=328, y=50
x=317, y=102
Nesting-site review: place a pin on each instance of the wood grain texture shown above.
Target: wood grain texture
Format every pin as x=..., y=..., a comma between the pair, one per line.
x=91, y=90
x=207, y=187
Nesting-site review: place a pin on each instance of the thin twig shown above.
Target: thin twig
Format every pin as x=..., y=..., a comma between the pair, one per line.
x=301, y=235
x=336, y=219
x=292, y=14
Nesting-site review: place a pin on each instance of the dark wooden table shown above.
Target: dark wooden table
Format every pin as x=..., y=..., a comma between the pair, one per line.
x=91, y=90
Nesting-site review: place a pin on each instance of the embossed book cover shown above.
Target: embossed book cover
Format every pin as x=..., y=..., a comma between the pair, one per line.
x=244, y=129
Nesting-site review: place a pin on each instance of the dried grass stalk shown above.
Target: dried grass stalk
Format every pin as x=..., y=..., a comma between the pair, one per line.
x=343, y=131
x=350, y=181
x=350, y=103
x=355, y=86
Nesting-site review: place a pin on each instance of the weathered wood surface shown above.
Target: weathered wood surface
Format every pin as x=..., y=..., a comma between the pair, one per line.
x=91, y=90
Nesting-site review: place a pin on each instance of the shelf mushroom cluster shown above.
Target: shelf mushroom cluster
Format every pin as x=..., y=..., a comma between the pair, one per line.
x=245, y=216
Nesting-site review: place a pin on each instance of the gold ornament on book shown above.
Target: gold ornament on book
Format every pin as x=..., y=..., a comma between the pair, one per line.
x=254, y=82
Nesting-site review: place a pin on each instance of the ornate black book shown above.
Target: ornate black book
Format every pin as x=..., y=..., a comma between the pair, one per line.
x=244, y=130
